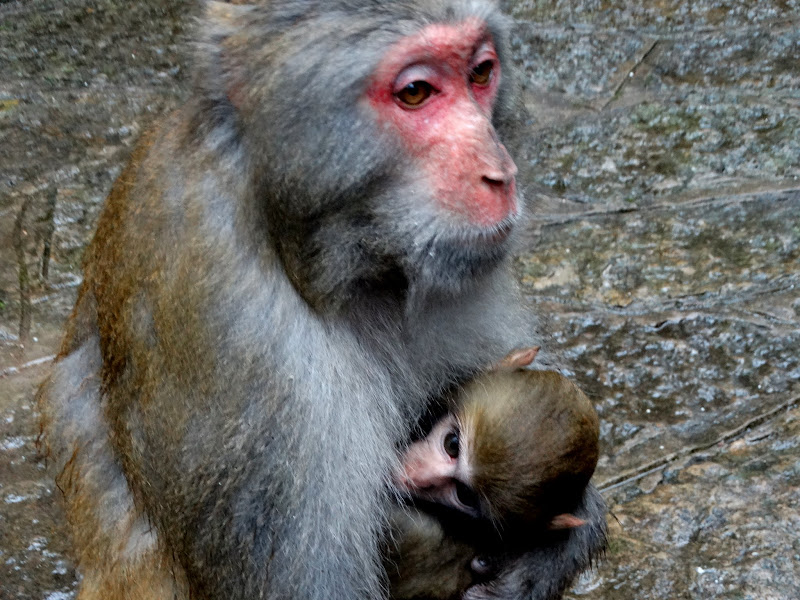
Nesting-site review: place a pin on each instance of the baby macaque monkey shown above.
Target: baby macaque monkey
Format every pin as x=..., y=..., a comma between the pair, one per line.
x=518, y=446
x=512, y=457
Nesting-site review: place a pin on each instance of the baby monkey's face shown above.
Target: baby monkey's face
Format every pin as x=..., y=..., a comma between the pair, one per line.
x=437, y=468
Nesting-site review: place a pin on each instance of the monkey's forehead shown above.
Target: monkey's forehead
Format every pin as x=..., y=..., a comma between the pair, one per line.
x=457, y=40
x=291, y=25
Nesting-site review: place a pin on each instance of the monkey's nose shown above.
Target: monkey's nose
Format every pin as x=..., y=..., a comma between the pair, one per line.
x=502, y=176
x=500, y=168
x=497, y=181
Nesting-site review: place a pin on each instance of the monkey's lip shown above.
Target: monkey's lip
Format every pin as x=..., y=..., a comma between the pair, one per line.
x=497, y=234
x=500, y=234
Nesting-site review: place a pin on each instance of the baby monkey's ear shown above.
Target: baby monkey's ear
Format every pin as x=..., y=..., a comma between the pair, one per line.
x=565, y=521
x=516, y=359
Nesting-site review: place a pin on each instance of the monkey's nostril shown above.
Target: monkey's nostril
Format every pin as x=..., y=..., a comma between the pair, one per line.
x=494, y=182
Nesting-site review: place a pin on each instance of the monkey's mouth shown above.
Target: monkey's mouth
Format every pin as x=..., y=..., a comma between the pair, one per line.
x=449, y=260
x=492, y=236
x=476, y=246
x=498, y=234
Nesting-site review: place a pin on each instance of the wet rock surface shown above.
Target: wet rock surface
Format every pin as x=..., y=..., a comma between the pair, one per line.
x=662, y=164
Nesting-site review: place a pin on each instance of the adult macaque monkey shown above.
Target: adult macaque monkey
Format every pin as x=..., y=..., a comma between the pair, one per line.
x=290, y=268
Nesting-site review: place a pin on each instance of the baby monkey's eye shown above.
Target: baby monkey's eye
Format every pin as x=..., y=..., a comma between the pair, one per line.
x=451, y=444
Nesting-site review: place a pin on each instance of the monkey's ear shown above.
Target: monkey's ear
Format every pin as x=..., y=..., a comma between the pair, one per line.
x=516, y=359
x=566, y=521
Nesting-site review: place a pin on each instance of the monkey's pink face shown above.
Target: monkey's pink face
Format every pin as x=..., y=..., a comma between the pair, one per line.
x=436, y=90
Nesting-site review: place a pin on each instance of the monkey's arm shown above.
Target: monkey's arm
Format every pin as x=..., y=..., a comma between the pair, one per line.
x=116, y=549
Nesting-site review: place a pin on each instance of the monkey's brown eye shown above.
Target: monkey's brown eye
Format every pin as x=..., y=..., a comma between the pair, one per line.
x=415, y=93
x=451, y=444
x=481, y=74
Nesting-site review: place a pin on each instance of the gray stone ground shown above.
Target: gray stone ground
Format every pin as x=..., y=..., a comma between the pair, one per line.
x=663, y=162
